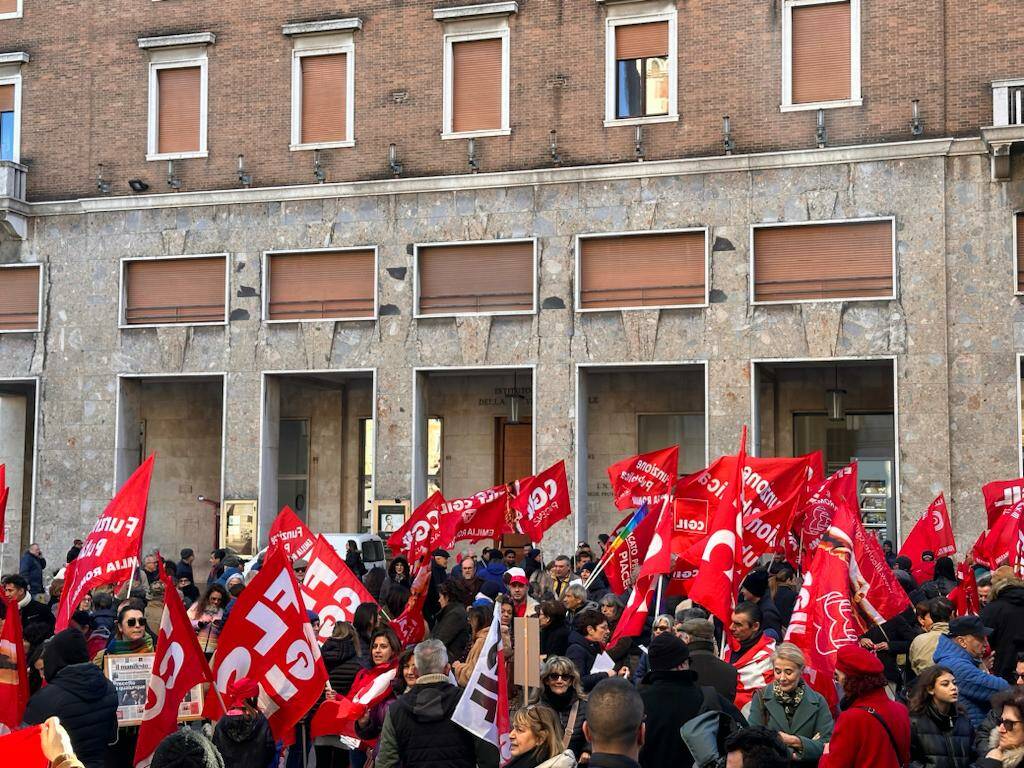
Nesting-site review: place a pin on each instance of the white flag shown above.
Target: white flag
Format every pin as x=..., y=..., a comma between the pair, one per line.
x=483, y=708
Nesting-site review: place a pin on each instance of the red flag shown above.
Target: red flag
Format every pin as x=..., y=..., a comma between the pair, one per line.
x=24, y=748
x=268, y=638
x=410, y=626
x=330, y=588
x=13, y=669
x=644, y=479
x=542, y=500
x=291, y=534
x=4, y=493
x=484, y=515
x=110, y=554
x=1000, y=496
x=178, y=666
x=816, y=515
x=931, y=533
x=978, y=553
x=658, y=558
x=631, y=623
x=338, y=717
x=624, y=560
x=424, y=531
x=964, y=596
x=1000, y=542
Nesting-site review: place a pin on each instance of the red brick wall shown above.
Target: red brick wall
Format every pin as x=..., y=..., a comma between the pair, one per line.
x=85, y=88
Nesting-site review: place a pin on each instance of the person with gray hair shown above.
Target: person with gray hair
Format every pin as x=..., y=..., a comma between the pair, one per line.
x=431, y=658
x=576, y=600
x=699, y=636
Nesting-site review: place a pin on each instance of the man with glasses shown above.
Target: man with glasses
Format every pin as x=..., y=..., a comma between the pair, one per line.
x=961, y=652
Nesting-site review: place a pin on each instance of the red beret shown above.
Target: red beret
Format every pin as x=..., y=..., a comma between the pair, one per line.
x=852, y=660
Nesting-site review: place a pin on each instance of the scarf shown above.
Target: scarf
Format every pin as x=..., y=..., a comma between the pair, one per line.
x=789, y=700
x=118, y=646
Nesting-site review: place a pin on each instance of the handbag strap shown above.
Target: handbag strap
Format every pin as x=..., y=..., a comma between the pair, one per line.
x=892, y=739
x=571, y=722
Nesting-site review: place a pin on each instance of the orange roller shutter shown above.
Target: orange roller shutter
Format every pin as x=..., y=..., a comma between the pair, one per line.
x=823, y=261
x=6, y=98
x=8, y=6
x=324, y=86
x=641, y=41
x=19, y=298
x=328, y=284
x=821, y=53
x=476, y=85
x=174, y=291
x=179, y=109
x=1020, y=252
x=484, y=277
x=661, y=269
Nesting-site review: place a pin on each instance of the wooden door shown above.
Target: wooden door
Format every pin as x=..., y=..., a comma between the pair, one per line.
x=513, y=460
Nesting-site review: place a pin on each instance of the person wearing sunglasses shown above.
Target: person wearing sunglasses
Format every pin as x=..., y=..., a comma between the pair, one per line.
x=662, y=623
x=1006, y=741
x=562, y=691
x=130, y=635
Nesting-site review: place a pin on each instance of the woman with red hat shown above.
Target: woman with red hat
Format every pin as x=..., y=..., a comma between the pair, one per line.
x=872, y=729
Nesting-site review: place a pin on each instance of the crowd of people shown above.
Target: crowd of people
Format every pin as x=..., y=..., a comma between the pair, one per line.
x=926, y=688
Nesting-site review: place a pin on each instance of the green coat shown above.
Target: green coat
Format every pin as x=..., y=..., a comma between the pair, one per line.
x=812, y=721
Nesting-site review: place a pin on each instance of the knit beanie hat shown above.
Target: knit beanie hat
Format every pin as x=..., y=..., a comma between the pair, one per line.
x=666, y=652
x=756, y=583
x=853, y=660
x=64, y=649
x=186, y=749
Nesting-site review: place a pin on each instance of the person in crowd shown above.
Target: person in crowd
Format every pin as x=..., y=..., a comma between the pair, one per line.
x=104, y=618
x=79, y=694
x=1005, y=747
x=186, y=557
x=554, y=629
x=934, y=621
x=984, y=582
x=480, y=618
x=74, y=551
x=85, y=604
x=872, y=729
x=185, y=748
x=611, y=608
x=216, y=566
x=31, y=569
x=242, y=735
x=53, y=591
x=451, y=625
x=598, y=586
x=353, y=559
x=586, y=642
x=576, y=599
x=374, y=581
x=661, y=623
x=232, y=564
x=16, y=587
x=364, y=622
x=891, y=641
x=418, y=731
x=407, y=672
x=889, y=552
x=518, y=590
x=943, y=580
x=398, y=575
x=531, y=562
x=756, y=747
x=554, y=583
x=798, y=713
x=962, y=651
x=1003, y=614
x=562, y=691
x=155, y=605
x=784, y=590
x=755, y=590
x=150, y=569
x=672, y=697
x=902, y=571
x=510, y=558
x=340, y=653
x=384, y=651
x=494, y=570
x=207, y=617
x=615, y=725
x=536, y=740
x=130, y=635
x=466, y=582
x=186, y=587
x=438, y=575
x=397, y=599
x=752, y=659
x=941, y=735
x=699, y=636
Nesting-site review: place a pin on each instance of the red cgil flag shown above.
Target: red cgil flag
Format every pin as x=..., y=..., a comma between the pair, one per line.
x=1000, y=543
x=424, y=531
x=931, y=533
x=542, y=500
x=291, y=534
x=484, y=515
x=4, y=493
x=330, y=589
x=964, y=596
x=268, y=638
x=24, y=748
x=338, y=717
x=647, y=478
x=409, y=625
x=110, y=554
x=816, y=515
x=178, y=666
x=1000, y=496
x=13, y=669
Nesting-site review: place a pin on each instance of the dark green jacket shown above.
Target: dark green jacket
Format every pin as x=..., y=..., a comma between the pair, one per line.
x=812, y=721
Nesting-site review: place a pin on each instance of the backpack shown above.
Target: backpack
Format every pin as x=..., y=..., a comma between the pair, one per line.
x=703, y=733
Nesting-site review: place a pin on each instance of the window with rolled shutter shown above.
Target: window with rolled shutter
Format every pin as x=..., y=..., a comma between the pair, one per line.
x=476, y=85
x=7, y=118
x=8, y=6
x=475, y=278
x=324, y=90
x=821, y=57
x=1020, y=251
x=645, y=270
x=19, y=298
x=321, y=285
x=183, y=290
x=178, y=112
x=642, y=69
x=6, y=98
x=841, y=260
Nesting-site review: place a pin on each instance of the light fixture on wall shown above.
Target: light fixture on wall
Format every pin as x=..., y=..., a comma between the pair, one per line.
x=393, y=165
x=318, y=169
x=835, y=401
x=138, y=185
x=474, y=163
x=553, y=148
x=514, y=398
x=916, y=124
x=101, y=184
x=820, y=134
x=245, y=179
x=638, y=144
x=727, y=139
x=172, y=181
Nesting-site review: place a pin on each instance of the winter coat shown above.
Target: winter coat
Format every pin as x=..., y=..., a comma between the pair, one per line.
x=554, y=639
x=577, y=742
x=34, y=612
x=418, y=730
x=354, y=561
x=583, y=653
x=922, y=647
x=31, y=569
x=532, y=760
x=1005, y=615
x=785, y=601
x=86, y=703
x=342, y=663
x=898, y=633
x=975, y=685
x=711, y=670
x=859, y=740
x=771, y=619
x=452, y=628
x=495, y=573
x=466, y=669
x=244, y=741
x=466, y=590
x=393, y=578
x=812, y=721
x=671, y=698
x=940, y=741
x=1011, y=759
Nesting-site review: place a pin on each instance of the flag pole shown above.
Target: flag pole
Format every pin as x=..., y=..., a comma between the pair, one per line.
x=657, y=600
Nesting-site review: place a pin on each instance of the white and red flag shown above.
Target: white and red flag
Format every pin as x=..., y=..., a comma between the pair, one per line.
x=423, y=532
x=931, y=533
x=1000, y=497
x=625, y=554
x=647, y=478
x=5, y=492
x=410, y=626
x=337, y=717
x=483, y=708
x=484, y=515
x=634, y=615
x=1000, y=543
x=110, y=554
x=542, y=500
x=330, y=589
x=816, y=515
x=964, y=596
x=13, y=669
x=178, y=666
x=291, y=534
x=268, y=639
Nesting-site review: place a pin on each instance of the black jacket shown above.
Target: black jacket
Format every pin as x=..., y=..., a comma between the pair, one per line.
x=244, y=741
x=711, y=670
x=940, y=741
x=771, y=620
x=563, y=707
x=425, y=736
x=451, y=627
x=354, y=561
x=35, y=612
x=554, y=639
x=342, y=663
x=785, y=600
x=583, y=653
x=1005, y=614
x=86, y=703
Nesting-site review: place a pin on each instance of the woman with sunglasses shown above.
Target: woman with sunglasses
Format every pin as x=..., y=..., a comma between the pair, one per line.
x=562, y=691
x=1006, y=741
x=207, y=617
x=536, y=739
x=940, y=732
x=663, y=623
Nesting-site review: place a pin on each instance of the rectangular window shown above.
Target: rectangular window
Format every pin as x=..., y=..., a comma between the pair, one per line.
x=7, y=122
x=642, y=70
x=324, y=86
x=293, y=466
x=476, y=278
x=827, y=261
x=178, y=96
x=318, y=285
x=178, y=110
x=176, y=291
x=657, y=430
x=821, y=50
x=19, y=298
x=476, y=85
x=435, y=454
x=1018, y=246
x=10, y=9
x=365, y=467
x=657, y=269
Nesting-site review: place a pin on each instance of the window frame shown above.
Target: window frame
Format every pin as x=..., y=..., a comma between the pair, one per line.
x=417, y=315
x=14, y=79
x=265, y=287
x=856, y=97
x=630, y=16
x=16, y=14
x=578, y=268
x=1016, y=249
x=122, y=295
x=39, y=297
x=176, y=58
x=325, y=46
x=492, y=28
x=751, y=279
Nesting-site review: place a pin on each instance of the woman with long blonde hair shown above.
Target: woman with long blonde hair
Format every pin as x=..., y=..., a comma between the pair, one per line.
x=536, y=738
